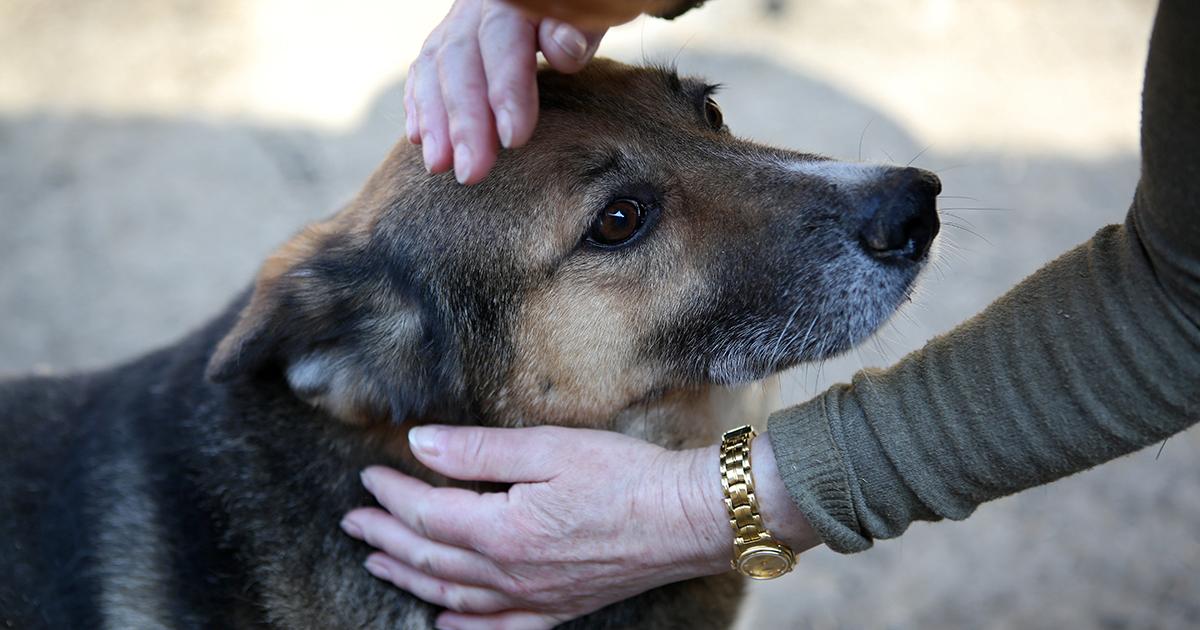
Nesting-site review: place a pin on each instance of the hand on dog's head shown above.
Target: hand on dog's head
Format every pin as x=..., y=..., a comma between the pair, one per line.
x=633, y=247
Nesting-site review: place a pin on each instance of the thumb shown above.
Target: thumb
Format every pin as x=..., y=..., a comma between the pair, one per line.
x=567, y=48
x=489, y=454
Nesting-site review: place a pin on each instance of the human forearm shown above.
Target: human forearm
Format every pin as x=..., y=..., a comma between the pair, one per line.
x=1081, y=363
x=1094, y=356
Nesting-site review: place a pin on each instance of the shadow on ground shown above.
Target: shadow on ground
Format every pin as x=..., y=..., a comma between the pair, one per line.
x=120, y=234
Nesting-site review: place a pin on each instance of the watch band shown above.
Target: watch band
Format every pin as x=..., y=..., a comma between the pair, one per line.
x=756, y=553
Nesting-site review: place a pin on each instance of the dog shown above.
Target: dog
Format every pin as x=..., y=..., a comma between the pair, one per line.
x=630, y=269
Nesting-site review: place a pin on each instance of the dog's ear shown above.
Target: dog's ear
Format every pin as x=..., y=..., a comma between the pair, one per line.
x=350, y=327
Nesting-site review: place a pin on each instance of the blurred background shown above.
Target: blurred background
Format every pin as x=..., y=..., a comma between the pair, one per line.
x=152, y=152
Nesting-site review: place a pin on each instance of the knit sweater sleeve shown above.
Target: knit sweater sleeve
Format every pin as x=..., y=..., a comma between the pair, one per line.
x=1092, y=357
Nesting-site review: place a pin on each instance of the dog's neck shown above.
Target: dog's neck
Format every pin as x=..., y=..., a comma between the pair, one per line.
x=675, y=419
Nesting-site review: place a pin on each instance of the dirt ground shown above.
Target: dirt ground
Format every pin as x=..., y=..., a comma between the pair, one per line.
x=151, y=154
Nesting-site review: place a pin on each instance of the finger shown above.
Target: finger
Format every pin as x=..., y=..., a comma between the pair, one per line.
x=489, y=454
x=386, y=533
x=448, y=515
x=431, y=112
x=507, y=620
x=412, y=129
x=464, y=92
x=508, y=46
x=456, y=597
x=566, y=48
x=597, y=13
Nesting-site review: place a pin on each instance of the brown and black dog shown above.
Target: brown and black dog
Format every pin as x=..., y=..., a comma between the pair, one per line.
x=626, y=270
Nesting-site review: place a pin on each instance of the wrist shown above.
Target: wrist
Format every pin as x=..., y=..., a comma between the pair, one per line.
x=779, y=512
x=697, y=477
x=704, y=510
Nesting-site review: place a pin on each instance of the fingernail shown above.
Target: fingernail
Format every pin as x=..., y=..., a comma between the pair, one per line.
x=429, y=151
x=462, y=162
x=376, y=568
x=504, y=127
x=570, y=40
x=367, y=482
x=424, y=439
x=352, y=529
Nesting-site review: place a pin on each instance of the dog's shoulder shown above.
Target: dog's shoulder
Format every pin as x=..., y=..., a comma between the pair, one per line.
x=101, y=522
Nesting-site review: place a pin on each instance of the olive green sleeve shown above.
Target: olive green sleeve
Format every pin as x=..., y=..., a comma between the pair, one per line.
x=1094, y=356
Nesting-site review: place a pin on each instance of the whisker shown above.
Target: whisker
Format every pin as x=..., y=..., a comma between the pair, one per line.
x=862, y=366
x=937, y=268
x=779, y=340
x=863, y=135
x=968, y=231
x=979, y=208
x=675, y=59
x=919, y=154
x=955, y=248
x=958, y=217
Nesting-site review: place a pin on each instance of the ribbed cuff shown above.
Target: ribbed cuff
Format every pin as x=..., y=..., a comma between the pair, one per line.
x=814, y=473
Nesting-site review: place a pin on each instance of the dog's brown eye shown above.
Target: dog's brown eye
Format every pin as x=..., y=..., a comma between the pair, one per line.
x=712, y=114
x=617, y=223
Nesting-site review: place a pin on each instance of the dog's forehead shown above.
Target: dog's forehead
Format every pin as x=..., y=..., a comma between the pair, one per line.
x=607, y=86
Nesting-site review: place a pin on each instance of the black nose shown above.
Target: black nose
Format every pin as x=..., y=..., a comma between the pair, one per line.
x=905, y=219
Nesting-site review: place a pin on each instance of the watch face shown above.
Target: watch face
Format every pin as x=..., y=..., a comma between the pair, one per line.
x=764, y=563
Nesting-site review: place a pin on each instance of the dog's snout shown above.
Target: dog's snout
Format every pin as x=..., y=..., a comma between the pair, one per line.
x=905, y=220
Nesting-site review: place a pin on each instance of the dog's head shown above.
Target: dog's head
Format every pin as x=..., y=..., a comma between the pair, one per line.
x=634, y=247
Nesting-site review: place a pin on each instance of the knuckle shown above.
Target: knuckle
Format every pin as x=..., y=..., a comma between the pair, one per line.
x=432, y=42
x=475, y=448
x=455, y=47
x=493, y=547
x=503, y=93
x=424, y=562
x=554, y=439
x=421, y=518
x=429, y=50
x=494, y=19
x=454, y=598
x=521, y=590
x=503, y=548
x=467, y=446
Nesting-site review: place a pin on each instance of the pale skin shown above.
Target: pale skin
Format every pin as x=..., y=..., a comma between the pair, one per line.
x=592, y=517
x=473, y=87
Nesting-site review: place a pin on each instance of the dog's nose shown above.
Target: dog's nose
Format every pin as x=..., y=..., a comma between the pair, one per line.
x=905, y=219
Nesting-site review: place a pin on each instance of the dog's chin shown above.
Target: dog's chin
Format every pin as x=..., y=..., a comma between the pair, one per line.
x=809, y=334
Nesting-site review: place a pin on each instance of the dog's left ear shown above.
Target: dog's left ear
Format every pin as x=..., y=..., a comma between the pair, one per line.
x=352, y=330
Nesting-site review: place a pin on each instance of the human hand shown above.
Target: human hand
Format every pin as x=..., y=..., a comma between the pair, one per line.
x=474, y=82
x=593, y=517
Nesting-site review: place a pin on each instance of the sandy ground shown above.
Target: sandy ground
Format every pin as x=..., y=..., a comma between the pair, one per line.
x=151, y=153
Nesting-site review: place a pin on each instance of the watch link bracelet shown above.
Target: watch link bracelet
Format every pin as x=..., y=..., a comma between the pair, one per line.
x=756, y=553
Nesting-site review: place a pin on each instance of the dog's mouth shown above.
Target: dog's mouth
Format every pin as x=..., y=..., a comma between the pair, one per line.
x=859, y=282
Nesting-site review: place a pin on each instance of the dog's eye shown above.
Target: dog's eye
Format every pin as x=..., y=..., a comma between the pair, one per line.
x=617, y=223
x=712, y=114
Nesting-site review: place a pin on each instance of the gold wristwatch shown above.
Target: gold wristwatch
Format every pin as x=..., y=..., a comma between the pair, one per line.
x=756, y=553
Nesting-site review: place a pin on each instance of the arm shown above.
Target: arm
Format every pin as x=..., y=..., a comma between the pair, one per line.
x=1094, y=356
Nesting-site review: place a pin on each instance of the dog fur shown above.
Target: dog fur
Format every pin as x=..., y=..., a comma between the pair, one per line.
x=201, y=485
